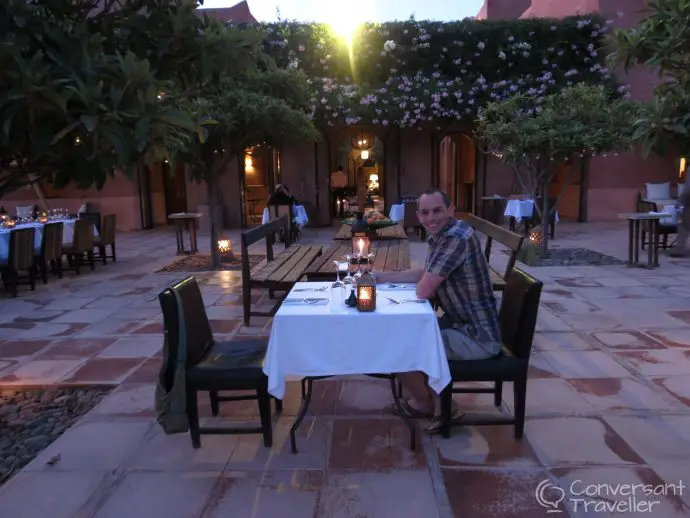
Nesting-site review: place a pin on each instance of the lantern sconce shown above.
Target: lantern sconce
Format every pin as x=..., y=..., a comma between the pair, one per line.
x=248, y=162
x=366, y=293
x=364, y=154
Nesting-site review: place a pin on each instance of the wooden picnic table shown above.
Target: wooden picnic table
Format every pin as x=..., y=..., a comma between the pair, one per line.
x=390, y=255
x=392, y=232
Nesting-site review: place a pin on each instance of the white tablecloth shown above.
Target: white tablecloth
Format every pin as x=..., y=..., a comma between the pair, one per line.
x=298, y=213
x=397, y=212
x=329, y=340
x=521, y=209
x=673, y=219
x=67, y=235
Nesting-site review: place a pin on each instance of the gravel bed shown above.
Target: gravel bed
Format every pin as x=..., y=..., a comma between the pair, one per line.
x=573, y=257
x=32, y=419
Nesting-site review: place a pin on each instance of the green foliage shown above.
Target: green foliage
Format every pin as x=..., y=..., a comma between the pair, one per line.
x=661, y=41
x=435, y=73
x=74, y=104
x=577, y=121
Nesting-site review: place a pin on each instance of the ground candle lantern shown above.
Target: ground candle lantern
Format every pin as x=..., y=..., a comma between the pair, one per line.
x=225, y=249
x=360, y=244
x=366, y=293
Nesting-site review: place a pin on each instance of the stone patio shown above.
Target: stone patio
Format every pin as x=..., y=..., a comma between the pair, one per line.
x=608, y=403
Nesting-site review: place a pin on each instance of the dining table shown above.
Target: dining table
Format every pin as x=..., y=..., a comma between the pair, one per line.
x=67, y=234
x=314, y=335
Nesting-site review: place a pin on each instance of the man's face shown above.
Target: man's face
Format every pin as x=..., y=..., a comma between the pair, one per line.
x=433, y=213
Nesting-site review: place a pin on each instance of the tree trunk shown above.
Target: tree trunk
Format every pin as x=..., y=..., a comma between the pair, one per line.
x=214, y=224
x=545, y=216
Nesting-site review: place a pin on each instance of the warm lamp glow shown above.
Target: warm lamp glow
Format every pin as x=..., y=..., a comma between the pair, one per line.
x=248, y=162
x=365, y=155
x=681, y=170
x=374, y=178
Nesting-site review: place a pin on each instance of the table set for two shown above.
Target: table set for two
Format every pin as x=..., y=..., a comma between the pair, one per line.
x=326, y=329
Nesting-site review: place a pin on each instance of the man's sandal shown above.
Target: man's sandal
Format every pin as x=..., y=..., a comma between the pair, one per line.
x=436, y=422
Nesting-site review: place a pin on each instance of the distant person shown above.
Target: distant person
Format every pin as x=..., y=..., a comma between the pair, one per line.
x=338, y=178
x=282, y=196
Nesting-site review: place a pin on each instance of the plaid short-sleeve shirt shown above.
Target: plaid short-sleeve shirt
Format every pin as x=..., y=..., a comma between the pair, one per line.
x=466, y=295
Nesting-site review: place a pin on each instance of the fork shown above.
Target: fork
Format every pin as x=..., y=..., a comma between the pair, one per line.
x=402, y=301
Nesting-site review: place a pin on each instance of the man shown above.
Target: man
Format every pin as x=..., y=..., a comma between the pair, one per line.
x=338, y=179
x=456, y=274
x=281, y=196
x=684, y=225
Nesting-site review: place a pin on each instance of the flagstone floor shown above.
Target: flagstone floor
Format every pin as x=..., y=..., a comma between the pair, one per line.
x=608, y=404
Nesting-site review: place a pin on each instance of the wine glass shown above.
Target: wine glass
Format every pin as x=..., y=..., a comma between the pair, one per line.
x=338, y=287
x=358, y=273
x=348, y=278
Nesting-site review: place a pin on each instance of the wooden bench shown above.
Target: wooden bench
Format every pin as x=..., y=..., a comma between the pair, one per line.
x=280, y=272
x=392, y=232
x=390, y=255
x=509, y=239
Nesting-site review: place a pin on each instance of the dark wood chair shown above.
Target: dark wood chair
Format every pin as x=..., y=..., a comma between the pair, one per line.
x=51, y=251
x=20, y=257
x=275, y=211
x=93, y=217
x=106, y=237
x=211, y=366
x=81, y=249
x=518, y=319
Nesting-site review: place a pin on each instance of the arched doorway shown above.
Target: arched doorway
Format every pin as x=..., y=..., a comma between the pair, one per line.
x=457, y=170
x=361, y=155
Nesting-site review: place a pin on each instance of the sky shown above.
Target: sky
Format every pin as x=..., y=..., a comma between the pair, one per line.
x=371, y=10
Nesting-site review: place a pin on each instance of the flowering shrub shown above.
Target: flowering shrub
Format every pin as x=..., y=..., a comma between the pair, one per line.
x=435, y=73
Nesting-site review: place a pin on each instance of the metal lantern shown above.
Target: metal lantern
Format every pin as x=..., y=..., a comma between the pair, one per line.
x=366, y=293
x=225, y=249
x=535, y=236
x=360, y=244
x=43, y=217
x=362, y=141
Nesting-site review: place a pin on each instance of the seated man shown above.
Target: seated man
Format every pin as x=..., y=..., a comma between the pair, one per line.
x=457, y=275
x=281, y=196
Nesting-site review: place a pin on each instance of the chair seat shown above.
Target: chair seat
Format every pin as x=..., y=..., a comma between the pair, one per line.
x=502, y=367
x=233, y=361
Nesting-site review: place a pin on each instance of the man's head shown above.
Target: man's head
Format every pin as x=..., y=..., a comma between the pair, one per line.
x=434, y=210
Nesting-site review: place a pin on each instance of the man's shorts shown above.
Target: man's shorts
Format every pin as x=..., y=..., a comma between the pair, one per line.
x=460, y=345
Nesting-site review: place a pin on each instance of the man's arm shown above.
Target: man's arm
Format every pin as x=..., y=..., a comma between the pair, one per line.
x=404, y=276
x=447, y=257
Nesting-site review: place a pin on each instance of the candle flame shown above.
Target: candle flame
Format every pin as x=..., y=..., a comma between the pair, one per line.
x=361, y=245
x=364, y=295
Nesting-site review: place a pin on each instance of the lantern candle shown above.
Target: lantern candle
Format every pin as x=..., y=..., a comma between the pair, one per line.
x=360, y=244
x=366, y=293
x=225, y=249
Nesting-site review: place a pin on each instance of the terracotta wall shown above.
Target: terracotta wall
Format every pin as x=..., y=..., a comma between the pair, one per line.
x=502, y=9
x=119, y=196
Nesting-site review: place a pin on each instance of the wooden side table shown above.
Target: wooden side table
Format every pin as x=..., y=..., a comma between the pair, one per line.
x=634, y=222
x=189, y=220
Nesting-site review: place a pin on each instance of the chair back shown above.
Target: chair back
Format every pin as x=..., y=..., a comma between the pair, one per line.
x=107, y=232
x=21, y=252
x=83, y=236
x=199, y=336
x=519, y=310
x=410, y=215
x=51, y=244
x=93, y=217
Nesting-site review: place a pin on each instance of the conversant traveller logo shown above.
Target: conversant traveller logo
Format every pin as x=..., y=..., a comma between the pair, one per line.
x=605, y=498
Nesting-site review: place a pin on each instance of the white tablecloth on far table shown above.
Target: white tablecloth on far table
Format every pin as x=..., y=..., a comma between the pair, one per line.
x=328, y=340
x=67, y=235
x=397, y=212
x=521, y=209
x=298, y=213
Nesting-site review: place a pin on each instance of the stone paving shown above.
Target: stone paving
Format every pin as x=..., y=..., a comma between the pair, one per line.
x=608, y=403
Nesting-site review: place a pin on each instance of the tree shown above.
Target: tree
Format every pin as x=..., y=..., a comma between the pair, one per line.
x=73, y=106
x=536, y=135
x=258, y=107
x=661, y=41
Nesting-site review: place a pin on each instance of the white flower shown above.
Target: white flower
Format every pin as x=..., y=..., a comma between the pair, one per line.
x=389, y=46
